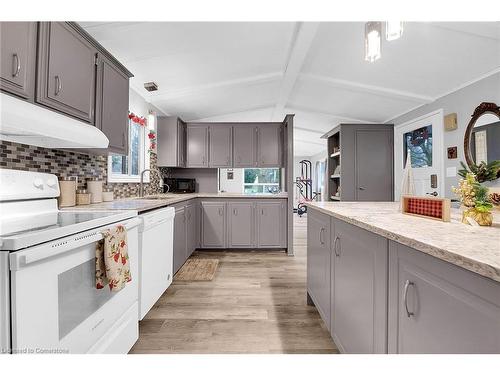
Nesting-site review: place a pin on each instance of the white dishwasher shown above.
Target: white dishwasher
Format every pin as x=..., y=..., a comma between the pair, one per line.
x=156, y=243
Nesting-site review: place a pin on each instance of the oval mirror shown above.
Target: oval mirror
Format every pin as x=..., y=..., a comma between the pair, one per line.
x=482, y=136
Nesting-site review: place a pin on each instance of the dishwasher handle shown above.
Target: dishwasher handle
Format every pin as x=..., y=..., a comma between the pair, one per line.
x=47, y=250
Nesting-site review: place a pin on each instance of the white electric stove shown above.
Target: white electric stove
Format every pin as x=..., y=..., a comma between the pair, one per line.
x=48, y=299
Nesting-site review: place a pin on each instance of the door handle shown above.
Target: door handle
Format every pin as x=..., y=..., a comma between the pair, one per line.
x=58, y=85
x=337, y=240
x=434, y=193
x=408, y=283
x=17, y=64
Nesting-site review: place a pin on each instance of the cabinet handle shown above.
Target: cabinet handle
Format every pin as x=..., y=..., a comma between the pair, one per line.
x=123, y=139
x=262, y=211
x=227, y=160
x=235, y=212
x=337, y=240
x=361, y=188
x=221, y=210
x=58, y=85
x=321, y=237
x=408, y=283
x=17, y=64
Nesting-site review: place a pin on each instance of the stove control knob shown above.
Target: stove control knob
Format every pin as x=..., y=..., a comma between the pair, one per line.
x=52, y=182
x=38, y=183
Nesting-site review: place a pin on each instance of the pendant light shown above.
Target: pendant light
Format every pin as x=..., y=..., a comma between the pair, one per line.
x=373, y=31
x=393, y=30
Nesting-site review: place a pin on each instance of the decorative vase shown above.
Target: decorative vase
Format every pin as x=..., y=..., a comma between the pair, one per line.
x=482, y=218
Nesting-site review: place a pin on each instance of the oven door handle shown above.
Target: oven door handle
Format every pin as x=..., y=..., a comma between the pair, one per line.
x=34, y=254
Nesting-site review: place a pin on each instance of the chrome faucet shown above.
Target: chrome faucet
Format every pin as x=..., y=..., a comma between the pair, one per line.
x=141, y=188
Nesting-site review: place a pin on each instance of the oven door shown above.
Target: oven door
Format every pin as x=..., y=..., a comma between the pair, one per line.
x=55, y=305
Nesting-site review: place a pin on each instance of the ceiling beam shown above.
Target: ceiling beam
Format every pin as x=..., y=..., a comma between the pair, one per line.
x=293, y=107
x=365, y=88
x=302, y=38
x=230, y=113
x=166, y=94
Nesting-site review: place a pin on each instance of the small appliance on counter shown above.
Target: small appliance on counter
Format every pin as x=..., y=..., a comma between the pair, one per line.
x=179, y=185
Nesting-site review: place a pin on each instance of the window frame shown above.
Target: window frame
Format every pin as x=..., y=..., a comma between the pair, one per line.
x=144, y=160
x=278, y=184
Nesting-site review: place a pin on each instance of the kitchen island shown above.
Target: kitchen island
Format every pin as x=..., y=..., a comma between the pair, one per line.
x=385, y=282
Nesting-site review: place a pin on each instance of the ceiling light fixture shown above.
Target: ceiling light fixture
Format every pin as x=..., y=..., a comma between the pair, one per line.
x=393, y=30
x=373, y=31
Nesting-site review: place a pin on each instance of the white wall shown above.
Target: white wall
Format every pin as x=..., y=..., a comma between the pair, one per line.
x=231, y=186
x=462, y=102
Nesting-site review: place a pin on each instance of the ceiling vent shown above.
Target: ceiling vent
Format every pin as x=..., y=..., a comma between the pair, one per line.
x=151, y=86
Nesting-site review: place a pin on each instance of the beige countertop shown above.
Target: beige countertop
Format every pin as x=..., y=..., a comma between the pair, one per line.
x=151, y=202
x=474, y=248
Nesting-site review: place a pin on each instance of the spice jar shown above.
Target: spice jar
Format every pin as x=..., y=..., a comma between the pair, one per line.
x=67, y=187
x=94, y=187
x=107, y=195
x=82, y=197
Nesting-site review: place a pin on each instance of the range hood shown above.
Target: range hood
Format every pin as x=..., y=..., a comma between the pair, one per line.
x=30, y=124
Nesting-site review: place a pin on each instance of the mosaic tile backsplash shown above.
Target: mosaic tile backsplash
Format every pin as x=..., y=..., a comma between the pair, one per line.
x=68, y=163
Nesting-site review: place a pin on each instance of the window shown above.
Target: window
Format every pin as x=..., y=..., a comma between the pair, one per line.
x=419, y=142
x=127, y=168
x=261, y=180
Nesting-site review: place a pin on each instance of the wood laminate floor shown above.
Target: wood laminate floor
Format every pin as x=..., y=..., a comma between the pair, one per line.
x=256, y=303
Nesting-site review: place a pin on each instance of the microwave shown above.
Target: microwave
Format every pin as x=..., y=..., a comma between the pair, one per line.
x=179, y=185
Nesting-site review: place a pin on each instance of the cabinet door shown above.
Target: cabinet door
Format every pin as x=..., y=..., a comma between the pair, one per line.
x=244, y=146
x=179, y=238
x=241, y=232
x=197, y=145
x=66, y=71
x=437, y=307
x=112, y=105
x=221, y=146
x=271, y=224
x=318, y=262
x=213, y=225
x=191, y=229
x=181, y=143
x=18, y=58
x=360, y=295
x=269, y=145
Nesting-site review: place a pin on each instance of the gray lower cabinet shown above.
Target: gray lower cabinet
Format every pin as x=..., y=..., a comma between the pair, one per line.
x=244, y=146
x=112, y=105
x=171, y=141
x=197, y=146
x=220, y=146
x=179, y=237
x=269, y=145
x=18, y=58
x=271, y=223
x=66, y=71
x=437, y=307
x=241, y=224
x=318, y=262
x=192, y=228
x=359, y=282
x=213, y=225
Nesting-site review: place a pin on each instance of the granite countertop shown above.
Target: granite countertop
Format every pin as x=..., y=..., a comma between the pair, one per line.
x=474, y=248
x=151, y=202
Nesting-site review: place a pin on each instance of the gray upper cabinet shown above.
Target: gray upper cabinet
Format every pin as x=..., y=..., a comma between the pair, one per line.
x=359, y=307
x=220, y=146
x=112, y=105
x=213, y=225
x=241, y=224
x=271, y=224
x=437, y=307
x=318, y=262
x=171, y=140
x=244, y=145
x=197, y=146
x=18, y=58
x=179, y=237
x=66, y=71
x=269, y=145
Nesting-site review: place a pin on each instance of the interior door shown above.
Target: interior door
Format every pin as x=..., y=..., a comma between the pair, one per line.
x=373, y=165
x=423, y=137
x=17, y=60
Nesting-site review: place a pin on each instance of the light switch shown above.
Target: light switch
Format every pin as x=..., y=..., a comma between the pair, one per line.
x=451, y=172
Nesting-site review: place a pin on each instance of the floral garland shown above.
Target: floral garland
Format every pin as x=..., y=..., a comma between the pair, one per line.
x=142, y=121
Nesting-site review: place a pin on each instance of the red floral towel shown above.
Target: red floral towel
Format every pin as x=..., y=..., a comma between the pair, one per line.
x=112, y=265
